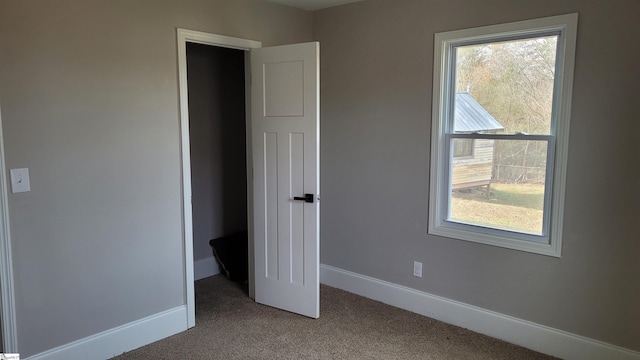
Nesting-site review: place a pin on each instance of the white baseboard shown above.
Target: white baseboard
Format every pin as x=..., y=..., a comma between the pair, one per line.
x=121, y=339
x=204, y=268
x=513, y=330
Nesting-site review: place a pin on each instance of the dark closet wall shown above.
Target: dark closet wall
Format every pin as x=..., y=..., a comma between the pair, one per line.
x=218, y=153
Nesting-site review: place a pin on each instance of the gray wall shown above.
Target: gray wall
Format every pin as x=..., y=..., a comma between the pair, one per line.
x=89, y=100
x=90, y=104
x=376, y=90
x=217, y=130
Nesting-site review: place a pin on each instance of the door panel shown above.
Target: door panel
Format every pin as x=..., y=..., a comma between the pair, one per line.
x=284, y=89
x=285, y=139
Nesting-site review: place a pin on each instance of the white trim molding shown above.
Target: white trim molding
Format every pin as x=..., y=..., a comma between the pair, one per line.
x=183, y=37
x=119, y=340
x=524, y=333
x=7, y=300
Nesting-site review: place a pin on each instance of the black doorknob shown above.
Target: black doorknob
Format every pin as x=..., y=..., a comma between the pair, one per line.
x=307, y=198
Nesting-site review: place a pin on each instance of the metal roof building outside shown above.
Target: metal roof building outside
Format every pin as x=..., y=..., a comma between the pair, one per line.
x=471, y=117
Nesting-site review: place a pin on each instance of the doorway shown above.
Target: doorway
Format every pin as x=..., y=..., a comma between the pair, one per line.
x=184, y=38
x=285, y=94
x=217, y=132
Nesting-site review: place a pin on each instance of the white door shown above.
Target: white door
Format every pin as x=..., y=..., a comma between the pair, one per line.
x=285, y=140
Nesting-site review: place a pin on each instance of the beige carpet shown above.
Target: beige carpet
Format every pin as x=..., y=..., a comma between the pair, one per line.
x=231, y=326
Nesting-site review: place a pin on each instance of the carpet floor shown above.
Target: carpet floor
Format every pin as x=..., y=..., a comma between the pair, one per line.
x=229, y=325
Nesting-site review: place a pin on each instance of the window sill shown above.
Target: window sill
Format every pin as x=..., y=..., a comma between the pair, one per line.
x=483, y=236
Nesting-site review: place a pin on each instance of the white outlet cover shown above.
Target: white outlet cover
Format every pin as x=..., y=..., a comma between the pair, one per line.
x=417, y=269
x=20, y=180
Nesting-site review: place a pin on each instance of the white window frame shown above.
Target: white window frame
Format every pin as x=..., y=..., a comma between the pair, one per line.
x=550, y=242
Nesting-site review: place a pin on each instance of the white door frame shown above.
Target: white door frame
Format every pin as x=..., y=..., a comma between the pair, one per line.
x=185, y=36
x=7, y=301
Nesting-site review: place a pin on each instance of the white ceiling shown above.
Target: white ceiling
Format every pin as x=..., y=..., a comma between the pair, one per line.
x=313, y=4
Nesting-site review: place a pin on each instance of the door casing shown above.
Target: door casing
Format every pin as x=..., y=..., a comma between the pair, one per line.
x=185, y=36
x=9, y=329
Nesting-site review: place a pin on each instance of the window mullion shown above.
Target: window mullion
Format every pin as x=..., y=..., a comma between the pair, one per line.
x=522, y=137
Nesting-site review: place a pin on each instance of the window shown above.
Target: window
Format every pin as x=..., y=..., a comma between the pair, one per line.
x=501, y=111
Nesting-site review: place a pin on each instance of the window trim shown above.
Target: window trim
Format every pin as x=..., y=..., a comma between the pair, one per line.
x=565, y=26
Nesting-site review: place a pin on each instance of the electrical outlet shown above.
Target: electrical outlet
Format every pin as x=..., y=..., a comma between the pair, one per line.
x=417, y=269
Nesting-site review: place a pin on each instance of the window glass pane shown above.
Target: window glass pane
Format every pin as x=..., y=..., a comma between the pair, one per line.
x=505, y=86
x=502, y=186
x=462, y=147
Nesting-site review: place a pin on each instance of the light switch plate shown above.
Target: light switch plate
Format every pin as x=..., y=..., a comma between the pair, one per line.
x=20, y=180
